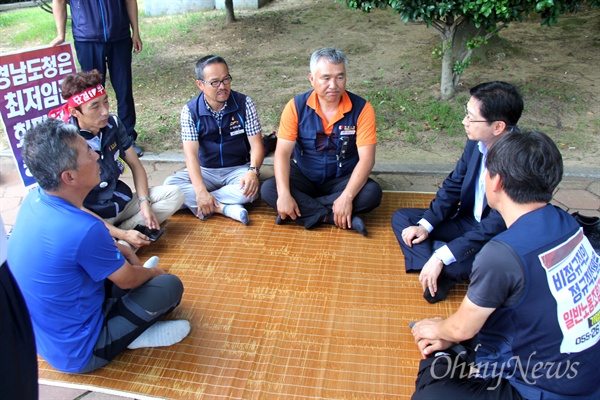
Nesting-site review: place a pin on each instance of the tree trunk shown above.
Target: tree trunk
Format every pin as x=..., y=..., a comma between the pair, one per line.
x=454, y=42
x=447, y=84
x=464, y=32
x=229, y=15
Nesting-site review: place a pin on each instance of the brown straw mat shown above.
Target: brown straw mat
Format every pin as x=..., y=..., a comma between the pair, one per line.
x=280, y=312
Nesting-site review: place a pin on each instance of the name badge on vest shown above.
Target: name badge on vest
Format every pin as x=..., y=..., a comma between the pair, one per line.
x=347, y=130
x=235, y=127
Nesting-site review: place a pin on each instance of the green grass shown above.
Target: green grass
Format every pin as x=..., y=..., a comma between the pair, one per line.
x=28, y=27
x=34, y=27
x=406, y=110
x=409, y=113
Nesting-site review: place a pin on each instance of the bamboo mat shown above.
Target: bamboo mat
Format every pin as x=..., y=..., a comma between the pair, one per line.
x=280, y=312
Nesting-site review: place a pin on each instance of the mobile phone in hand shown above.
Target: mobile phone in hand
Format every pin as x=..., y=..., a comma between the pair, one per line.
x=153, y=234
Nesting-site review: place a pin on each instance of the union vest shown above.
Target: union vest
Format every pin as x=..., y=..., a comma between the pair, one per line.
x=100, y=20
x=111, y=195
x=225, y=145
x=321, y=157
x=526, y=337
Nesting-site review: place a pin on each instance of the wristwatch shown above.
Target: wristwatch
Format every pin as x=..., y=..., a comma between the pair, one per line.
x=145, y=198
x=257, y=170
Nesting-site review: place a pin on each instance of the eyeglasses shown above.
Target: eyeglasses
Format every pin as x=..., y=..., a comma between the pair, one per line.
x=216, y=84
x=469, y=118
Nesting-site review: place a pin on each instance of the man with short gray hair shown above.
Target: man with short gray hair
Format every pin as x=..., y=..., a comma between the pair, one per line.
x=331, y=135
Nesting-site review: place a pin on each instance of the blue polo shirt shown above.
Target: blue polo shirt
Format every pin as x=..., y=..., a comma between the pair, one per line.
x=60, y=257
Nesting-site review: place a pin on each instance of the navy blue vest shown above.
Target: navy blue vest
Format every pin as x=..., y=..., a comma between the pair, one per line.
x=100, y=20
x=225, y=145
x=530, y=329
x=111, y=196
x=321, y=157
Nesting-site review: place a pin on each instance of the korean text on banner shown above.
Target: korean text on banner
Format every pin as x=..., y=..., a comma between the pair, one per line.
x=29, y=89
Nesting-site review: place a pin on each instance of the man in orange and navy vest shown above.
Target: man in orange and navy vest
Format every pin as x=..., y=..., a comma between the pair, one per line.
x=331, y=135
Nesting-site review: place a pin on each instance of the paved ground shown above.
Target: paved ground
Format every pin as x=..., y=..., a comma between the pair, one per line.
x=579, y=191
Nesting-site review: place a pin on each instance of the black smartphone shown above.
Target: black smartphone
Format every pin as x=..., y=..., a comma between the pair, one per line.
x=153, y=234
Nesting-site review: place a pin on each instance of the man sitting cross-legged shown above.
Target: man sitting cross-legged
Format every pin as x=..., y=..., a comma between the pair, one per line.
x=89, y=297
x=87, y=108
x=330, y=136
x=222, y=144
x=442, y=241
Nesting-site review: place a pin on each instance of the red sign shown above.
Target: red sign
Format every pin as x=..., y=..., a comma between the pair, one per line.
x=29, y=89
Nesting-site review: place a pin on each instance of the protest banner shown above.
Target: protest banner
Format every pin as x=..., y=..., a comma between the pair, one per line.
x=29, y=89
x=573, y=273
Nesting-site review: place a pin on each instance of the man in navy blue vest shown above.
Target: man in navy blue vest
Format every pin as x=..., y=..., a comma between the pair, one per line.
x=442, y=241
x=87, y=107
x=331, y=135
x=222, y=144
x=534, y=296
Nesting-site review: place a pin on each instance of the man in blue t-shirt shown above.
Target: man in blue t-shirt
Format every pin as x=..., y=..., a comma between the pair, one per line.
x=533, y=299
x=89, y=297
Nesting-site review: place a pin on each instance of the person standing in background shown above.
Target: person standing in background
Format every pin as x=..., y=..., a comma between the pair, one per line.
x=105, y=33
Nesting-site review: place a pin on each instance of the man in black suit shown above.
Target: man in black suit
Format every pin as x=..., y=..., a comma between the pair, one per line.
x=442, y=241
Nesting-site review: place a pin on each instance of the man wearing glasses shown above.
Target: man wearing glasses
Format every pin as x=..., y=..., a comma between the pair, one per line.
x=222, y=144
x=442, y=241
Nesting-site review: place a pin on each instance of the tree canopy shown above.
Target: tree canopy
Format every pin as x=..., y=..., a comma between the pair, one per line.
x=464, y=25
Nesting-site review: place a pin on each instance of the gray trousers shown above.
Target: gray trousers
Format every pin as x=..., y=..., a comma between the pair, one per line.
x=222, y=183
x=128, y=313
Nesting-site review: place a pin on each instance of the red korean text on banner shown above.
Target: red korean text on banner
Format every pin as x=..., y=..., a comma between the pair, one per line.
x=29, y=89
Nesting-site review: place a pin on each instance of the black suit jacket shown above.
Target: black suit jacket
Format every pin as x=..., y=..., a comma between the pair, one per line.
x=456, y=199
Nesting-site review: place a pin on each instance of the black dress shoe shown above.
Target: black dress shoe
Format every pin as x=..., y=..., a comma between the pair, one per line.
x=591, y=229
x=138, y=149
x=443, y=287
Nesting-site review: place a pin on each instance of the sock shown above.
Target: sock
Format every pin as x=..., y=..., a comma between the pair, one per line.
x=444, y=285
x=152, y=262
x=237, y=212
x=202, y=216
x=162, y=333
x=359, y=226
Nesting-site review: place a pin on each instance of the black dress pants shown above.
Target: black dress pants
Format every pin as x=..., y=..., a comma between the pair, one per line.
x=316, y=200
x=416, y=256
